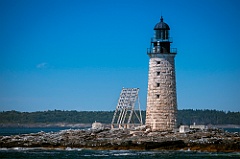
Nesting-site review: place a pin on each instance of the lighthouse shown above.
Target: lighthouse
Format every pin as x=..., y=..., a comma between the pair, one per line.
x=161, y=110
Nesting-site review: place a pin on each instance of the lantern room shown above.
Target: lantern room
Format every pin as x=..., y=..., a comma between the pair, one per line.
x=161, y=30
x=160, y=43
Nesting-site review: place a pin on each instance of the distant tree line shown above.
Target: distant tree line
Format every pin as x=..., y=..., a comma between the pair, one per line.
x=55, y=116
x=187, y=116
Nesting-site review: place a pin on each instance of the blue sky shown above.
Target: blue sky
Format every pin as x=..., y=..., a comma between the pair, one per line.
x=78, y=54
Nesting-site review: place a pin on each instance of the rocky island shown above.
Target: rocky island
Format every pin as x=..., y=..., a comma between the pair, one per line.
x=211, y=140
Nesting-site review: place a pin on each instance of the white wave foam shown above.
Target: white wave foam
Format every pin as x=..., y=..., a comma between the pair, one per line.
x=73, y=149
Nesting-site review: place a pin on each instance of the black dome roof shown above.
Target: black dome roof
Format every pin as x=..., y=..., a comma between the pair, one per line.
x=161, y=25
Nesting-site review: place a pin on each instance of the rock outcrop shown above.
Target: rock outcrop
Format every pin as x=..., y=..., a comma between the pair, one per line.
x=211, y=140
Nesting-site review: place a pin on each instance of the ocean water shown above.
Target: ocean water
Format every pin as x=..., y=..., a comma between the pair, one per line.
x=18, y=131
x=40, y=153
x=111, y=154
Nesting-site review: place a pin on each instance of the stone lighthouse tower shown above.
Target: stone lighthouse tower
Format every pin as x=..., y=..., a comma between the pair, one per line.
x=161, y=98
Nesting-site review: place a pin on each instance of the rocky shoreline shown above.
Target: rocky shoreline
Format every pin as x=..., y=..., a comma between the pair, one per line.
x=213, y=140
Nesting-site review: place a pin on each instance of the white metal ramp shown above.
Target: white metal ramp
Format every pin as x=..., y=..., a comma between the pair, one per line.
x=125, y=109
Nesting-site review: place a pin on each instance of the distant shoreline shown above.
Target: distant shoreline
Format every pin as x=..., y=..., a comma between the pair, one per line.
x=83, y=125
x=46, y=125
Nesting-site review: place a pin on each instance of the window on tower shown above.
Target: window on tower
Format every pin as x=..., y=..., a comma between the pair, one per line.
x=158, y=96
x=158, y=84
x=158, y=62
x=158, y=73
